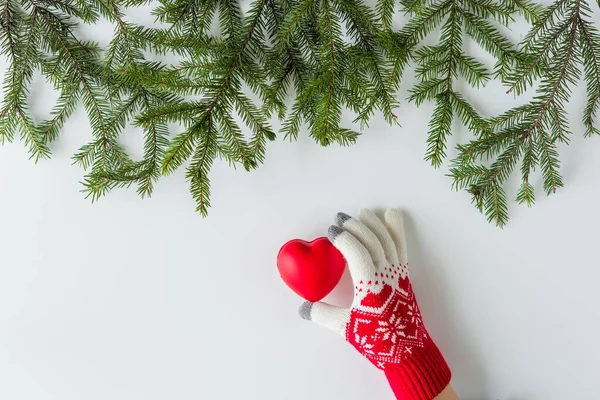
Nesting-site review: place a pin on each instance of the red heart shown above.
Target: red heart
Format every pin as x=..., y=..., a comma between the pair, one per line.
x=311, y=269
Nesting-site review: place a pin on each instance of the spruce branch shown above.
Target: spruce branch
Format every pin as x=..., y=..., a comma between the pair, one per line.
x=216, y=74
x=561, y=41
x=131, y=96
x=305, y=62
x=440, y=66
x=330, y=73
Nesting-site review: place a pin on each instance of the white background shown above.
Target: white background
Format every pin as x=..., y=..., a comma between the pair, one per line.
x=143, y=299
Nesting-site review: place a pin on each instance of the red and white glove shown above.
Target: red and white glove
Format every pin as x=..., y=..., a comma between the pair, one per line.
x=384, y=322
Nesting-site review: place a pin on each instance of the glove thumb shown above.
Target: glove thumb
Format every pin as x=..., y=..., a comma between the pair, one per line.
x=323, y=314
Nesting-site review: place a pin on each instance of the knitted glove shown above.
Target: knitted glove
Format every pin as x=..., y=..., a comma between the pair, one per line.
x=384, y=322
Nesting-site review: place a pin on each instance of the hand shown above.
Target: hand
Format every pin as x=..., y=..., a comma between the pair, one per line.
x=384, y=322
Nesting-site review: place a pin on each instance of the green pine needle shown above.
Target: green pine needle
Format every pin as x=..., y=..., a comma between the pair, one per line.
x=439, y=67
x=561, y=43
x=306, y=63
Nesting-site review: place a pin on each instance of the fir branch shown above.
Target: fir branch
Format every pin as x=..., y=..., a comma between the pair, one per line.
x=327, y=56
x=330, y=73
x=216, y=76
x=441, y=66
x=132, y=96
x=564, y=41
x=198, y=171
x=590, y=49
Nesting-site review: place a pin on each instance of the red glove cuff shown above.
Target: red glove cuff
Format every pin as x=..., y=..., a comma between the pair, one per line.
x=422, y=376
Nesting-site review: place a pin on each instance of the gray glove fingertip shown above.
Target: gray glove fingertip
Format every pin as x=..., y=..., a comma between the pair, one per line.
x=305, y=310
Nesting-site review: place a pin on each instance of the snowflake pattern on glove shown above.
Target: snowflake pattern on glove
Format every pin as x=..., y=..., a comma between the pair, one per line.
x=385, y=322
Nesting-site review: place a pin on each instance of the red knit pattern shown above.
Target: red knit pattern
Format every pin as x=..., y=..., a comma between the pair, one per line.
x=388, y=330
x=422, y=376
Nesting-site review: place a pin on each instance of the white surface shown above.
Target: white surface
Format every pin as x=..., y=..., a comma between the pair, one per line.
x=142, y=299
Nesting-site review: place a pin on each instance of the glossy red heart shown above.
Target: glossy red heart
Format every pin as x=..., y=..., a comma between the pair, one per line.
x=311, y=269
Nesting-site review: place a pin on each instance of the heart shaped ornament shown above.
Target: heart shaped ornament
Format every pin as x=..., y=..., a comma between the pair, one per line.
x=311, y=269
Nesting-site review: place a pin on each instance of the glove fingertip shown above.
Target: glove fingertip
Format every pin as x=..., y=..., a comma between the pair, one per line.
x=341, y=218
x=305, y=310
x=334, y=232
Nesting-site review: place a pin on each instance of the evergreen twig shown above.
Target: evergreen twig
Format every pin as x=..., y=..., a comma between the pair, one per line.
x=235, y=71
x=441, y=66
x=561, y=40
